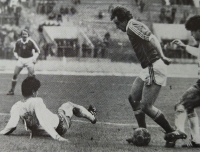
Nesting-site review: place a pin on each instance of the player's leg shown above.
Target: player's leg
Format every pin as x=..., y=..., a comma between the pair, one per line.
x=31, y=69
x=149, y=96
x=70, y=108
x=190, y=100
x=14, y=80
x=65, y=113
x=134, y=100
x=180, y=117
x=80, y=111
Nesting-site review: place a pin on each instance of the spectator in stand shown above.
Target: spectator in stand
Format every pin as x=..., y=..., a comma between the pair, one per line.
x=141, y=5
x=73, y=10
x=7, y=45
x=105, y=45
x=84, y=49
x=185, y=16
x=59, y=18
x=162, y=15
x=169, y=17
x=62, y=11
x=173, y=14
x=136, y=2
x=66, y=10
x=100, y=15
x=51, y=16
x=167, y=2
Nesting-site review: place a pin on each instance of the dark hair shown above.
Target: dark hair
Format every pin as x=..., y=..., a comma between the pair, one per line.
x=193, y=23
x=29, y=85
x=121, y=13
x=25, y=30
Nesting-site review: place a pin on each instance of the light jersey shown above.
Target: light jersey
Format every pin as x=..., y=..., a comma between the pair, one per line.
x=35, y=107
x=25, y=49
x=140, y=36
x=195, y=52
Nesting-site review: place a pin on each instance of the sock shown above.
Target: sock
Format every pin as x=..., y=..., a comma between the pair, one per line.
x=140, y=117
x=80, y=111
x=193, y=121
x=180, y=117
x=139, y=114
x=14, y=82
x=162, y=121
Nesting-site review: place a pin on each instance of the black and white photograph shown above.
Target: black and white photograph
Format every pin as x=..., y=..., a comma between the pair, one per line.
x=99, y=75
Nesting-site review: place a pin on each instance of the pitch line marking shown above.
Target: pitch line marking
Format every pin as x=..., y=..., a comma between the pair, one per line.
x=99, y=122
x=82, y=73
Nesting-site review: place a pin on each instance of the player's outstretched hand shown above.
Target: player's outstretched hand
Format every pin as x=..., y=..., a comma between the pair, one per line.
x=166, y=60
x=63, y=139
x=178, y=42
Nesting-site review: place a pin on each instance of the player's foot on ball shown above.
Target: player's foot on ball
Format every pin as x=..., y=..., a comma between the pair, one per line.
x=10, y=92
x=177, y=134
x=191, y=144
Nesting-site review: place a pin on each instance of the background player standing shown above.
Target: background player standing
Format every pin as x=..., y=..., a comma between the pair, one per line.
x=36, y=116
x=190, y=100
x=147, y=85
x=26, y=52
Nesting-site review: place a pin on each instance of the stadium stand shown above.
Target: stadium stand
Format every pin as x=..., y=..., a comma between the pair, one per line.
x=92, y=18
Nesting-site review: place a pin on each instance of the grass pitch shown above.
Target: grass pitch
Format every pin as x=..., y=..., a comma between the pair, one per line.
x=115, y=116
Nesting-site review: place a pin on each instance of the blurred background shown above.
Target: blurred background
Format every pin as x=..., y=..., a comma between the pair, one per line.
x=81, y=29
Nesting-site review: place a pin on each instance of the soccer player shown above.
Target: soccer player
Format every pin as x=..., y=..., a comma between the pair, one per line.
x=36, y=116
x=185, y=108
x=26, y=52
x=147, y=85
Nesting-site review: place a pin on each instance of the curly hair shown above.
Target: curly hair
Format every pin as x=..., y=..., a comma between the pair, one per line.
x=29, y=85
x=193, y=23
x=121, y=13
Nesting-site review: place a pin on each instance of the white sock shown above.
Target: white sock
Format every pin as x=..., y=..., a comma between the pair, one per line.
x=193, y=121
x=180, y=118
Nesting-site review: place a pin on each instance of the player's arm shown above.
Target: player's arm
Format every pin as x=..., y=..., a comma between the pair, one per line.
x=15, y=51
x=155, y=42
x=144, y=33
x=13, y=121
x=36, y=50
x=43, y=118
x=190, y=49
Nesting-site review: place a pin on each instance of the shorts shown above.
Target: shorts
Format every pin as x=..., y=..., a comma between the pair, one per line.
x=160, y=73
x=25, y=62
x=64, y=123
x=190, y=98
x=197, y=85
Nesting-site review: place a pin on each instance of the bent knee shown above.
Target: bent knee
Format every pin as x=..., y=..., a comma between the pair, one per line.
x=134, y=104
x=145, y=107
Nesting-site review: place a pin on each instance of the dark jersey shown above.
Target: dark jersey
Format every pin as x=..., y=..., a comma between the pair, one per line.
x=139, y=36
x=25, y=49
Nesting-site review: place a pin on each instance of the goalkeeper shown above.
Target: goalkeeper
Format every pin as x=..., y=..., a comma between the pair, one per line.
x=36, y=116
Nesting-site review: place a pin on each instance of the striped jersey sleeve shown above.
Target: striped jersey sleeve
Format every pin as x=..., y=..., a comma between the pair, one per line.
x=35, y=45
x=139, y=29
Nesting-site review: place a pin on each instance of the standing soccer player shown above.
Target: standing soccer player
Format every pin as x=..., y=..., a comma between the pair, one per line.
x=26, y=52
x=36, y=116
x=147, y=85
x=190, y=100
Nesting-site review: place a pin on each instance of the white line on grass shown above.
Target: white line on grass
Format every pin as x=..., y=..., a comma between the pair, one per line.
x=80, y=73
x=98, y=122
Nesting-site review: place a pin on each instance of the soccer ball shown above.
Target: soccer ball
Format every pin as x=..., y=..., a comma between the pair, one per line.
x=141, y=137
